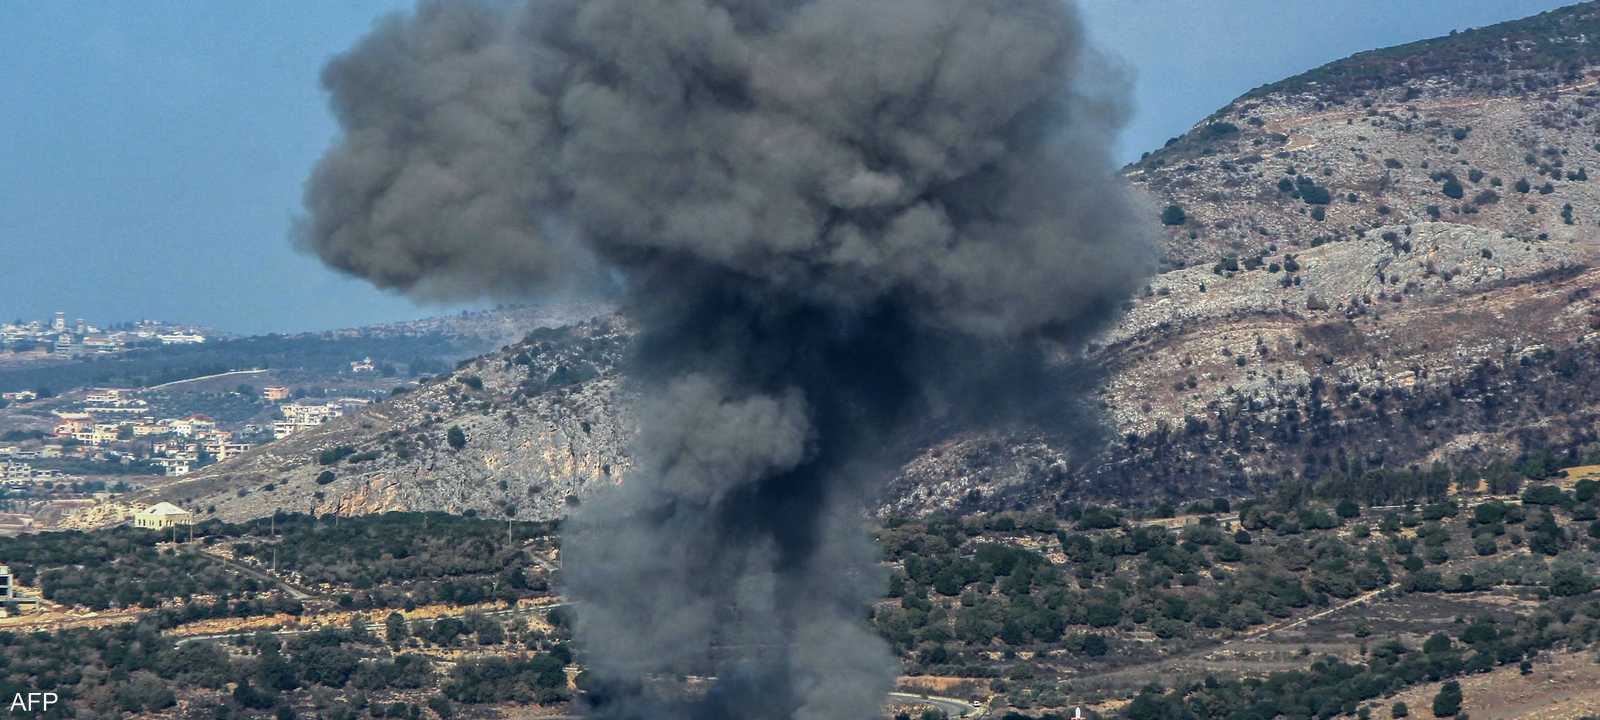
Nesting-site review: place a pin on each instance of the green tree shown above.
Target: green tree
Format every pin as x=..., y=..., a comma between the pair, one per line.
x=1568, y=579
x=456, y=437
x=1448, y=702
x=395, y=629
x=1174, y=215
x=1400, y=710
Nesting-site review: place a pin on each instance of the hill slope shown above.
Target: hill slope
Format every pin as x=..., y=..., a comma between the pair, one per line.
x=1381, y=263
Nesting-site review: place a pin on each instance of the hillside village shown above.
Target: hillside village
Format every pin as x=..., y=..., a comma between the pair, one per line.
x=113, y=426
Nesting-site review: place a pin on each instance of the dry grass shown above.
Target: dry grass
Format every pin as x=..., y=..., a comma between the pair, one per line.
x=1562, y=686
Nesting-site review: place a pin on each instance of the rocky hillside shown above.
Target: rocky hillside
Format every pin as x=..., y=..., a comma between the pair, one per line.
x=1381, y=263
x=541, y=422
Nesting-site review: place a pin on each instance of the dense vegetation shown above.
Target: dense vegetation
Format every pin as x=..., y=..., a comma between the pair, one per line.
x=390, y=560
x=379, y=553
x=117, y=568
x=1066, y=598
x=1034, y=607
x=338, y=674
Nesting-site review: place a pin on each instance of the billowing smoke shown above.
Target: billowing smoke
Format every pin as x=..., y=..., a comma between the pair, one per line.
x=833, y=220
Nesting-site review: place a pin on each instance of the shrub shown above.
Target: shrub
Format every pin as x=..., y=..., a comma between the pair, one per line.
x=1452, y=189
x=325, y=477
x=1173, y=215
x=1314, y=194
x=456, y=437
x=1522, y=185
x=1448, y=702
x=332, y=456
x=1567, y=580
x=1544, y=495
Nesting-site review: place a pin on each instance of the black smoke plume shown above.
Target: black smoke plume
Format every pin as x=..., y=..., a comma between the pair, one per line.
x=833, y=219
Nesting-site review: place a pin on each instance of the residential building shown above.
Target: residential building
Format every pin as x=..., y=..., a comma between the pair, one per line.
x=275, y=393
x=104, y=396
x=173, y=467
x=161, y=516
x=148, y=426
x=192, y=425
x=103, y=344
x=364, y=365
x=299, y=416
x=70, y=424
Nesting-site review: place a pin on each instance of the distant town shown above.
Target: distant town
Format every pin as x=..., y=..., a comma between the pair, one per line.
x=58, y=338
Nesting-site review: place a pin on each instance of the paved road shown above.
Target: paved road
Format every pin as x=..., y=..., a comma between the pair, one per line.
x=953, y=707
x=207, y=377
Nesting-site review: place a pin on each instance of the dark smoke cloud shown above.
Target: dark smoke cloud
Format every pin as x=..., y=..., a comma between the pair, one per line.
x=832, y=219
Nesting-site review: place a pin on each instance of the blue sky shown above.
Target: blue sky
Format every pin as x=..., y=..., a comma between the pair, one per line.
x=152, y=152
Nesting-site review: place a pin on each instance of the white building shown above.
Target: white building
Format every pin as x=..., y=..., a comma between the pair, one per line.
x=298, y=416
x=161, y=516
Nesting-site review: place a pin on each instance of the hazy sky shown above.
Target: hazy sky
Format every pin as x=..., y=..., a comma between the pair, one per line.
x=152, y=152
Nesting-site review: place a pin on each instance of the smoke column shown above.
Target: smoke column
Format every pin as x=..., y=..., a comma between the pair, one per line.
x=833, y=219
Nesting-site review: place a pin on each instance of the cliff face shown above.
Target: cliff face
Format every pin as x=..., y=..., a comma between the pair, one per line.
x=1382, y=262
